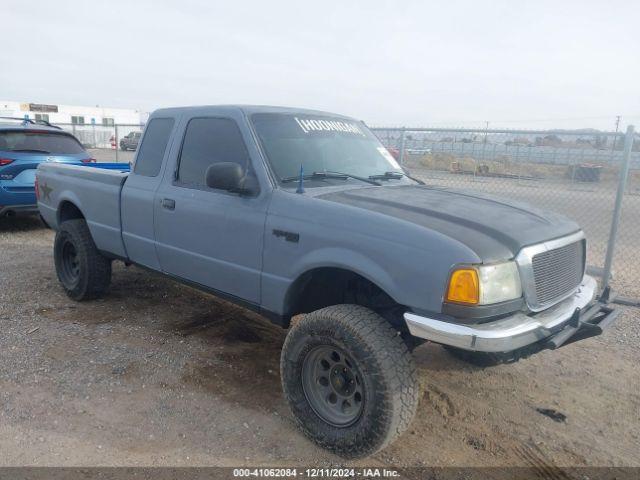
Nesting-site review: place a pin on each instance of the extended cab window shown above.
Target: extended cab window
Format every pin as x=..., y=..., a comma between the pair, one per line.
x=153, y=146
x=208, y=141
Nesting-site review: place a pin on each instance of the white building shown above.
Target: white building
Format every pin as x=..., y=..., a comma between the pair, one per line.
x=95, y=127
x=72, y=114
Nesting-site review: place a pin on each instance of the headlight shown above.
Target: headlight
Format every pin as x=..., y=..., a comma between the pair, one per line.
x=484, y=284
x=499, y=283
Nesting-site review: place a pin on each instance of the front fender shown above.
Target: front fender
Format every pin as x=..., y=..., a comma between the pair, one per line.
x=411, y=277
x=408, y=262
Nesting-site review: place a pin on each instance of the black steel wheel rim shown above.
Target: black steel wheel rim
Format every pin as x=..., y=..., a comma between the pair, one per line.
x=333, y=385
x=70, y=264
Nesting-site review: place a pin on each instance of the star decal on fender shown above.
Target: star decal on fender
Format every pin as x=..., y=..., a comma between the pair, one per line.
x=45, y=190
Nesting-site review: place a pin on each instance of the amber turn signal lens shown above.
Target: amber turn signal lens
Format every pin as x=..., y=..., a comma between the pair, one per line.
x=464, y=286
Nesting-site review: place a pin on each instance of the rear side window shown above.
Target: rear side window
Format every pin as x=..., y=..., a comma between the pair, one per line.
x=153, y=146
x=39, y=142
x=208, y=141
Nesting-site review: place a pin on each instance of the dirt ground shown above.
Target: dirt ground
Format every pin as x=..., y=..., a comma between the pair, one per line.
x=160, y=374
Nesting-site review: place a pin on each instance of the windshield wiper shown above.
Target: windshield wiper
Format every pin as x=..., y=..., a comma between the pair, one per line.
x=312, y=176
x=338, y=175
x=387, y=176
x=29, y=150
x=396, y=176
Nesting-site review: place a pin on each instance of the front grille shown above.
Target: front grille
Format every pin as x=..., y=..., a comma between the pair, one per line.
x=558, y=272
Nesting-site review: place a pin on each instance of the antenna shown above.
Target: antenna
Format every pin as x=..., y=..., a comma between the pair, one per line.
x=300, y=188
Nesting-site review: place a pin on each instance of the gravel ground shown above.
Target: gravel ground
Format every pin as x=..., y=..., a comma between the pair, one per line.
x=159, y=374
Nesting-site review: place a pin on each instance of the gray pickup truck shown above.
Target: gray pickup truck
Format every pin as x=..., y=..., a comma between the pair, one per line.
x=130, y=141
x=304, y=217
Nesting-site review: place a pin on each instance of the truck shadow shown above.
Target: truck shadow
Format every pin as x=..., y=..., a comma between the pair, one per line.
x=235, y=352
x=21, y=224
x=243, y=363
x=232, y=353
x=432, y=357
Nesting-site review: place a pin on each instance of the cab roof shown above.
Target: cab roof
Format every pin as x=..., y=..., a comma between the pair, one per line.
x=246, y=109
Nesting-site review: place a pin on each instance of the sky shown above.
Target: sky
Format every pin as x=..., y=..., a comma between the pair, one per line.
x=515, y=64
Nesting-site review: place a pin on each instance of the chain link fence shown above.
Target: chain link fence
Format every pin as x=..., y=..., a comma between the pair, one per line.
x=107, y=143
x=576, y=173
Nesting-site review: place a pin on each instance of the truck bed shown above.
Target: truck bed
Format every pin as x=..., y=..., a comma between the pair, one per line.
x=94, y=191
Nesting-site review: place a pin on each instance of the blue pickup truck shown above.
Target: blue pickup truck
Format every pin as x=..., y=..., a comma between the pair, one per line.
x=305, y=217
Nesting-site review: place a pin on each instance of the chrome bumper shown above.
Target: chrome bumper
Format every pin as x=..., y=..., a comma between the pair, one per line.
x=506, y=334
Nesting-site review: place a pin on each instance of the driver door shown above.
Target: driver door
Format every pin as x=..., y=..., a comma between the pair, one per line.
x=211, y=237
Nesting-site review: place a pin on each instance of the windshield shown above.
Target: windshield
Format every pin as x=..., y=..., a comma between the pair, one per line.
x=40, y=142
x=323, y=144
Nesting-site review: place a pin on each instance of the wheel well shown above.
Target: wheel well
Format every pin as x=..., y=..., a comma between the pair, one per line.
x=323, y=287
x=68, y=211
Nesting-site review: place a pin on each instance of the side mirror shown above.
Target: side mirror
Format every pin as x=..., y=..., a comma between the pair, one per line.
x=225, y=176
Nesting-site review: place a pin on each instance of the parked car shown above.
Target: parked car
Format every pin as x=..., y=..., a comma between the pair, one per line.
x=24, y=144
x=304, y=215
x=130, y=141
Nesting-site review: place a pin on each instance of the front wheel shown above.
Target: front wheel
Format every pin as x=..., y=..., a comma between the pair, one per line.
x=82, y=270
x=349, y=379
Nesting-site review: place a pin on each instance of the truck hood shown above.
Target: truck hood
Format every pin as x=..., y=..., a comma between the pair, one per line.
x=494, y=228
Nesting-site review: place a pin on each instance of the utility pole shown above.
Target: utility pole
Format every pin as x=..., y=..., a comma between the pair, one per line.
x=486, y=127
x=615, y=139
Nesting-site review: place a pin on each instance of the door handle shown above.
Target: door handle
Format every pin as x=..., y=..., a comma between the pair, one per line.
x=168, y=203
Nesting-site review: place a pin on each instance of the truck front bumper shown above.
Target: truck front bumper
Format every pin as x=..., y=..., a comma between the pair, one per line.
x=573, y=319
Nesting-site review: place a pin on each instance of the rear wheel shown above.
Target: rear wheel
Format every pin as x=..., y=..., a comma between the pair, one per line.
x=349, y=379
x=82, y=270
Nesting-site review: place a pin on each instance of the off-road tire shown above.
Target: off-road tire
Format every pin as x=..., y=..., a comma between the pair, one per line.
x=390, y=391
x=92, y=269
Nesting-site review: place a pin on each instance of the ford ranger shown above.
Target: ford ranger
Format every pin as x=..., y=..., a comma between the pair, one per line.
x=304, y=217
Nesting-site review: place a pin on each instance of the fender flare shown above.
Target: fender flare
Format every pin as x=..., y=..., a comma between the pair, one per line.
x=343, y=259
x=67, y=196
